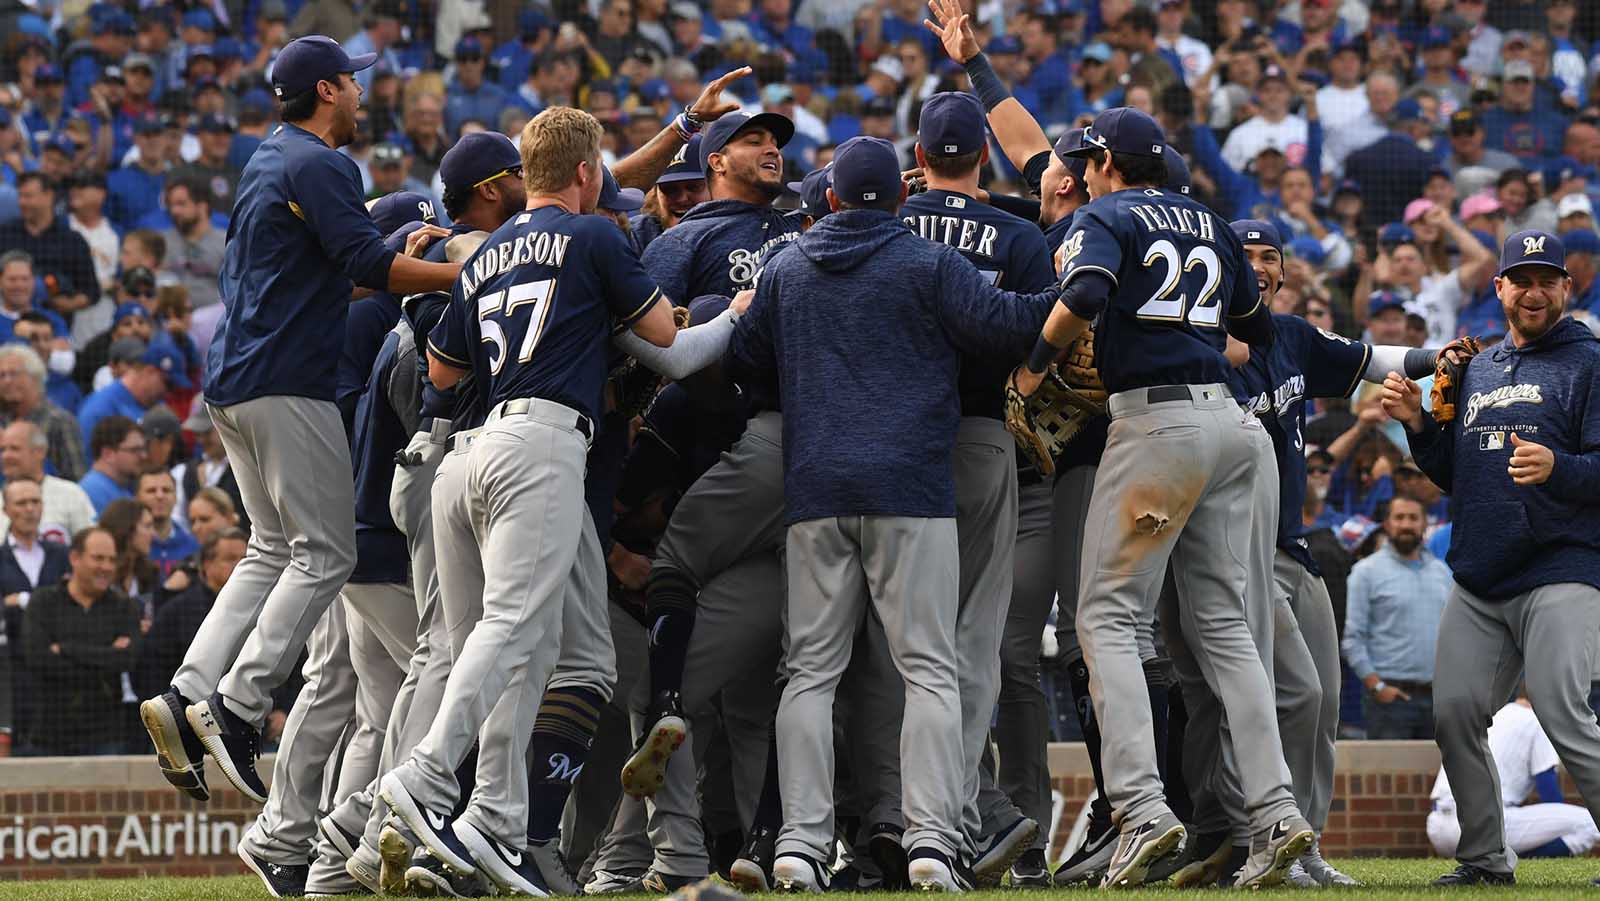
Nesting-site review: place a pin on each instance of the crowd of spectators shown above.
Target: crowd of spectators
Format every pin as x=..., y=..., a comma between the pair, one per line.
x=1394, y=143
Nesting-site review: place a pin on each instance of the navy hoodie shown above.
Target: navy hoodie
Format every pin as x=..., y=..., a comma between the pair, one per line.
x=1510, y=539
x=716, y=248
x=867, y=360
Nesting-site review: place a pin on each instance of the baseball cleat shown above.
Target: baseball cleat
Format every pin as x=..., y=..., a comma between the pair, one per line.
x=281, y=880
x=654, y=882
x=646, y=770
x=428, y=877
x=796, y=873
x=885, y=848
x=329, y=877
x=1205, y=861
x=1030, y=870
x=395, y=850
x=1272, y=852
x=1322, y=871
x=431, y=827
x=1297, y=877
x=1141, y=847
x=930, y=870
x=1468, y=875
x=343, y=840
x=997, y=852
x=232, y=744
x=553, y=866
x=178, y=750
x=1088, y=864
x=365, y=867
x=512, y=871
x=752, y=871
x=611, y=882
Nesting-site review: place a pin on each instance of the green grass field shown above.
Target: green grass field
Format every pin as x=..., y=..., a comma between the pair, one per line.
x=1380, y=878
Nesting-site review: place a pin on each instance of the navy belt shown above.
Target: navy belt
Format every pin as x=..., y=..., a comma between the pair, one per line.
x=1161, y=394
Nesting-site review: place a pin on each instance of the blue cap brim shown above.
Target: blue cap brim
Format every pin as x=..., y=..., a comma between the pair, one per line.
x=361, y=61
x=627, y=200
x=671, y=177
x=1560, y=269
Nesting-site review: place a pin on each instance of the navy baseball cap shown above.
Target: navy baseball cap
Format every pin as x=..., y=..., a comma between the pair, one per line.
x=1581, y=241
x=1348, y=186
x=1407, y=110
x=125, y=310
x=616, y=198
x=866, y=170
x=813, y=191
x=469, y=46
x=951, y=124
x=719, y=133
x=1178, y=177
x=1533, y=248
x=1396, y=233
x=685, y=165
x=1435, y=36
x=165, y=357
x=201, y=19
x=531, y=22
x=1124, y=130
x=391, y=211
x=305, y=61
x=148, y=124
x=1257, y=231
x=396, y=241
x=1005, y=43
x=1309, y=249
x=1382, y=302
x=1077, y=165
x=216, y=123
x=476, y=158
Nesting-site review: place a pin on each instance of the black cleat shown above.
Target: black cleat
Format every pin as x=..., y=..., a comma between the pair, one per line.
x=752, y=871
x=1467, y=875
x=646, y=770
x=1030, y=870
x=178, y=750
x=283, y=881
x=886, y=851
x=232, y=744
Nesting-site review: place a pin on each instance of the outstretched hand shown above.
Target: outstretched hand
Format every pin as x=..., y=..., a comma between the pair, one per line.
x=708, y=107
x=954, y=29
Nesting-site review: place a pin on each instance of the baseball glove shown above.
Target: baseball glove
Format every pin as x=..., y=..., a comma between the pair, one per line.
x=1448, y=374
x=1045, y=422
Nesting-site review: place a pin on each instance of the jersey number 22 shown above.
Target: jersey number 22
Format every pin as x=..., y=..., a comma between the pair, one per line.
x=1207, y=308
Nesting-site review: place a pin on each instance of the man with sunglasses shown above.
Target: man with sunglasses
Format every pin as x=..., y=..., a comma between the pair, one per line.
x=470, y=96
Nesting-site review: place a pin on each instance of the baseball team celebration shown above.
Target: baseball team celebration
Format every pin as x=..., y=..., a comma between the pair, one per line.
x=589, y=447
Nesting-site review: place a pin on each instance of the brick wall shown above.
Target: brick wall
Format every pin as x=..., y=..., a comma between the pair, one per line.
x=116, y=817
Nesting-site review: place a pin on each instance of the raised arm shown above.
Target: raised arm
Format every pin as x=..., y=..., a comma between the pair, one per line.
x=641, y=168
x=1020, y=136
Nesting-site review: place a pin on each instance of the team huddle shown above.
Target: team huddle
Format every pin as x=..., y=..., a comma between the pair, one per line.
x=873, y=442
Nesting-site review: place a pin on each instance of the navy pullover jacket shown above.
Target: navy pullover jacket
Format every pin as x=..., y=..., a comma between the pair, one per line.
x=716, y=248
x=1509, y=539
x=867, y=360
x=299, y=237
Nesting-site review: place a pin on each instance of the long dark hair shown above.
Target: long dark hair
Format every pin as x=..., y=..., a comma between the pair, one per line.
x=121, y=519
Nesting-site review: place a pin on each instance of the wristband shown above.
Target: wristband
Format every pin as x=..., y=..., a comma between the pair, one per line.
x=1044, y=353
x=680, y=129
x=691, y=121
x=1378, y=689
x=985, y=83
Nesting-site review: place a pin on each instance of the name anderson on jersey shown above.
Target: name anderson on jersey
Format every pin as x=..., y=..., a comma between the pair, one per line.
x=543, y=248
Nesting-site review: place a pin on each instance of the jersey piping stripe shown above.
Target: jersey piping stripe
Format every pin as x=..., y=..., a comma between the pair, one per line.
x=1247, y=315
x=644, y=307
x=1082, y=269
x=434, y=349
x=1366, y=357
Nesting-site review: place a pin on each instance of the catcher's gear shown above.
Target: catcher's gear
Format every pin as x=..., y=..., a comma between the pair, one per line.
x=1448, y=374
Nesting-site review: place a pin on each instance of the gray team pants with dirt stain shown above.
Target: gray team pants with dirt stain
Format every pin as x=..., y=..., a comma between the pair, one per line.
x=292, y=463
x=1182, y=479
x=906, y=568
x=1547, y=637
x=531, y=566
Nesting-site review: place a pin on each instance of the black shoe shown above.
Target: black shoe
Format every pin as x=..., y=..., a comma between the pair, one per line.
x=431, y=827
x=646, y=770
x=752, y=871
x=1030, y=870
x=1088, y=864
x=1467, y=874
x=883, y=845
x=513, y=871
x=931, y=870
x=232, y=744
x=429, y=877
x=178, y=750
x=656, y=883
x=283, y=881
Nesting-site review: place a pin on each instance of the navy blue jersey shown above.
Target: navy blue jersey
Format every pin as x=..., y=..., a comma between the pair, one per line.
x=385, y=417
x=533, y=310
x=1304, y=362
x=1009, y=252
x=1179, y=275
x=716, y=248
x=463, y=403
x=299, y=237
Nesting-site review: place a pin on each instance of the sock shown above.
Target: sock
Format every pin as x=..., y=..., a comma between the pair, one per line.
x=769, y=807
x=1078, y=678
x=466, y=780
x=669, y=606
x=1552, y=848
x=1155, y=681
x=1178, y=799
x=562, y=734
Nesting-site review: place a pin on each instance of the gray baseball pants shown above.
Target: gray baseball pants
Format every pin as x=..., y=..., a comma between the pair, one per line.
x=907, y=569
x=1313, y=611
x=738, y=634
x=597, y=800
x=285, y=830
x=1548, y=638
x=1182, y=479
x=528, y=470
x=292, y=463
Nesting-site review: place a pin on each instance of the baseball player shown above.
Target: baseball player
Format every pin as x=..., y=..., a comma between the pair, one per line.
x=537, y=347
x=715, y=249
x=1170, y=413
x=679, y=189
x=869, y=493
x=1514, y=447
x=1012, y=254
x=1525, y=764
x=300, y=235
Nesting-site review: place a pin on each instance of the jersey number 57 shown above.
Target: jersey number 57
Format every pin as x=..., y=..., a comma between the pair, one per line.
x=497, y=315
